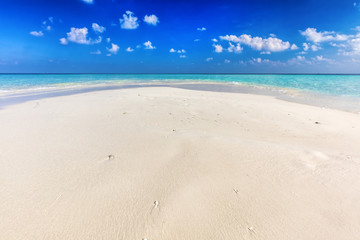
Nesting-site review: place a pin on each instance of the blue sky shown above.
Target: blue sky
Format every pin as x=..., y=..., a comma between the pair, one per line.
x=119, y=36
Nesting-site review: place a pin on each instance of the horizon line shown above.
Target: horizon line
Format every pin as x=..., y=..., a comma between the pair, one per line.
x=143, y=73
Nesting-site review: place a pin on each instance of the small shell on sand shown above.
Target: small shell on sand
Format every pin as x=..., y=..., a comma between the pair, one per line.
x=156, y=203
x=110, y=156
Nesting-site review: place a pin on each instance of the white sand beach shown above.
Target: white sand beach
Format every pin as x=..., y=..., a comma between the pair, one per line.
x=219, y=165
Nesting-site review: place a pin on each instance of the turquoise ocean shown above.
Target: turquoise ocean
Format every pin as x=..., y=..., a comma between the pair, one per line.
x=337, y=85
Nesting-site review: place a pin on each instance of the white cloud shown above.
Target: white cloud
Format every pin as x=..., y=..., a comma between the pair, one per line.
x=218, y=48
x=261, y=44
x=98, y=52
x=197, y=40
x=88, y=1
x=108, y=40
x=182, y=56
x=319, y=58
x=151, y=19
x=148, y=45
x=209, y=59
x=172, y=50
x=311, y=34
x=181, y=51
x=129, y=49
x=97, y=28
x=294, y=47
x=37, y=33
x=114, y=48
x=201, y=29
x=51, y=19
x=315, y=47
x=305, y=46
x=235, y=49
x=265, y=52
x=214, y=40
x=349, y=44
x=63, y=41
x=129, y=21
x=79, y=35
x=48, y=28
x=352, y=47
x=227, y=61
x=300, y=58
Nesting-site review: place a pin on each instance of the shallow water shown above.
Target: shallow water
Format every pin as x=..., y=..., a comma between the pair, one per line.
x=338, y=85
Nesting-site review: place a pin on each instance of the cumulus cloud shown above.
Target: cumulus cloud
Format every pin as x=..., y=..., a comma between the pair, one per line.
x=234, y=48
x=37, y=33
x=88, y=1
x=63, y=41
x=129, y=21
x=201, y=29
x=300, y=58
x=148, y=45
x=218, y=48
x=214, y=40
x=180, y=51
x=129, y=49
x=319, y=58
x=114, y=48
x=97, y=28
x=352, y=47
x=79, y=35
x=305, y=46
x=348, y=45
x=151, y=19
x=311, y=34
x=294, y=47
x=315, y=47
x=271, y=44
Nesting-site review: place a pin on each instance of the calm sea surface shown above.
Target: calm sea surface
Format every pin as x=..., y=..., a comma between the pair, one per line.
x=338, y=85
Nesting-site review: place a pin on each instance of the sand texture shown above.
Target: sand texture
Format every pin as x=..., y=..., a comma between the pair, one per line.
x=219, y=165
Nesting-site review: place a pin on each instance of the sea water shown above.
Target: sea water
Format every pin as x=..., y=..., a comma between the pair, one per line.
x=338, y=85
